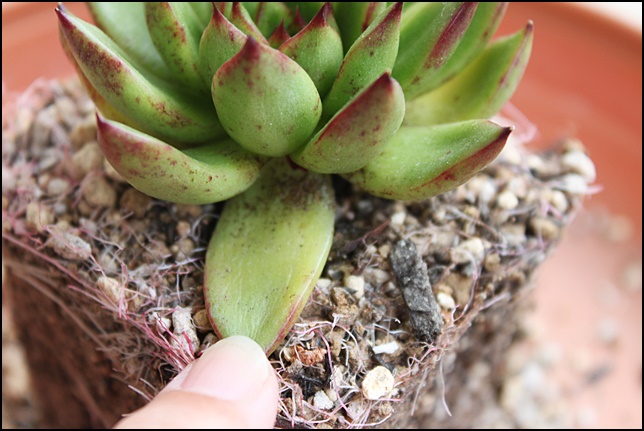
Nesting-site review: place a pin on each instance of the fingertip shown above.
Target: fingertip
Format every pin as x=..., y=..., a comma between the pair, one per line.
x=232, y=385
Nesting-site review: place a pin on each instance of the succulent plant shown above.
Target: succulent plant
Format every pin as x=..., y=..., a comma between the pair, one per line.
x=259, y=103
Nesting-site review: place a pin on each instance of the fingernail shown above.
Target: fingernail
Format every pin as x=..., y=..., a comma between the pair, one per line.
x=230, y=370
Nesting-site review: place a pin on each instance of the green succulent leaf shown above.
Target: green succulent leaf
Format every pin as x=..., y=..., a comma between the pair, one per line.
x=125, y=24
x=269, y=15
x=220, y=41
x=421, y=162
x=265, y=100
x=307, y=10
x=175, y=32
x=200, y=175
x=484, y=24
x=268, y=250
x=318, y=49
x=358, y=133
x=202, y=12
x=372, y=54
x=481, y=89
x=162, y=111
x=278, y=37
x=102, y=106
x=354, y=18
x=429, y=34
x=241, y=18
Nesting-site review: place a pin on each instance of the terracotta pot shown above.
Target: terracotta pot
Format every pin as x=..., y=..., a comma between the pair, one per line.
x=584, y=80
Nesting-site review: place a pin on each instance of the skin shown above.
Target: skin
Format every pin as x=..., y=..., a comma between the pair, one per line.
x=232, y=385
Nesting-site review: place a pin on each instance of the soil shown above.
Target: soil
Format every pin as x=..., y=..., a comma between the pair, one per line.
x=103, y=288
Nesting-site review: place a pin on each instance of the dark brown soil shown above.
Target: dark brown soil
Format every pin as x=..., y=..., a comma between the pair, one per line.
x=104, y=284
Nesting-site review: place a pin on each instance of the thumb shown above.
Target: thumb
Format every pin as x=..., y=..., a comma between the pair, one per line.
x=232, y=385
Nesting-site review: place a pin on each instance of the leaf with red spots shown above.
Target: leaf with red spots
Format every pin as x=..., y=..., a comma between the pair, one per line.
x=201, y=175
x=355, y=17
x=318, y=49
x=421, y=162
x=125, y=24
x=372, y=54
x=161, y=111
x=481, y=89
x=176, y=31
x=241, y=19
x=265, y=101
x=220, y=41
x=358, y=133
x=268, y=250
x=269, y=15
x=429, y=34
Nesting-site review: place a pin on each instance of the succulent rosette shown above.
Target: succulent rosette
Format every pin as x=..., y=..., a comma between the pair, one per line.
x=257, y=103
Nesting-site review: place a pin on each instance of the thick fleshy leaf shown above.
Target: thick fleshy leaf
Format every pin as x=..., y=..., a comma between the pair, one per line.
x=486, y=20
x=354, y=18
x=242, y=19
x=481, y=89
x=202, y=12
x=318, y=49
x=278, y=37
x=220, y=41
x=201, y=175
x=175, y=32
x=420, y=162
x=429, y=34
x=358, y=133
x=105, y=109
x=307, y=10
x=160, y=110
x=268, y=250
x=125, y=24
x=269, y=15
x=372, y=54
x=265, y=100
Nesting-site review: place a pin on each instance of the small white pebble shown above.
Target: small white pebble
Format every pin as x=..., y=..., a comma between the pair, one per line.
x=377, y=383
x=88, y=159
x=321, y=401
x=389, y=348
x=376, y=276
x=70, y=246
x=111, y=288
x=98, y=192
x=398, y=218
x=573, y=183
x=558, y=200
x=445, y=301
x=184, y=330
x=323, y=283
x=355, y=284
x=468, y=250
x=38, y=216
x=487, y=192
x=507, y=200
x=579, y=163
x=57, y=186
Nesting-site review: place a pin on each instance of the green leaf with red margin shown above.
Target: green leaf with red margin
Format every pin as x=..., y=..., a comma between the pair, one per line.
x=268, y=250
x=161, y=111
x=421, y=162
x=199, y=175
x=318, y=49
x=481, y=89
x=358, y=133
